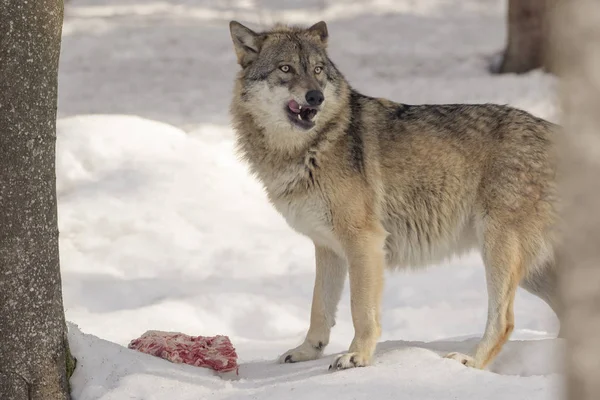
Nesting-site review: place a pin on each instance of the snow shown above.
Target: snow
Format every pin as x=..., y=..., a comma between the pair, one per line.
x=403, y=370
x=162, y=228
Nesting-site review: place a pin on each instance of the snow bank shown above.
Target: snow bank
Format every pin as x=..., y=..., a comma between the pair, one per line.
x=403, y=371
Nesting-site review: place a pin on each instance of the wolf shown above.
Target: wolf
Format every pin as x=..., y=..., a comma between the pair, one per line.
x=377, y=184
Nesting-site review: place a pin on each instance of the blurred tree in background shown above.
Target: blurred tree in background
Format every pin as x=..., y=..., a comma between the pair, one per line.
x=576, y=56
x=528, y=33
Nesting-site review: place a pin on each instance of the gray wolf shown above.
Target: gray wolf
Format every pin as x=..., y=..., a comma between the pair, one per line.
x=377, y=184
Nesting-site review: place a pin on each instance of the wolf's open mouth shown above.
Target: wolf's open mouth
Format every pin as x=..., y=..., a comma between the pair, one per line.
x=301, y=116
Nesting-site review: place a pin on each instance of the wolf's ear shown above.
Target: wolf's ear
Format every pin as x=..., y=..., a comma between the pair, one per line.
x=320, y=30
x=246, y=43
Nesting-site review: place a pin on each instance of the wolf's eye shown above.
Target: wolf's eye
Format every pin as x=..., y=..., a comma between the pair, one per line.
x=285, y=68
x=318, y=70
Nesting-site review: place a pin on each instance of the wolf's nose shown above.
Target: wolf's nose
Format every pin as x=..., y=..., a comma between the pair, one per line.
x=314, y=97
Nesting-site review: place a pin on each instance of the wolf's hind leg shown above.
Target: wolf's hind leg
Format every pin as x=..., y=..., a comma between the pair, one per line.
x=543, y=282
x=503, y=261
x=329, y=283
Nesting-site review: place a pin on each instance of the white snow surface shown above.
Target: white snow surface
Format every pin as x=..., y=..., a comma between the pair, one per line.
x=162, y=228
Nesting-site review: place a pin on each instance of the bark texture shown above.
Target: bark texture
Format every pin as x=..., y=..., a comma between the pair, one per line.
x=33, y=345
x=577, y=58
x=527, y=37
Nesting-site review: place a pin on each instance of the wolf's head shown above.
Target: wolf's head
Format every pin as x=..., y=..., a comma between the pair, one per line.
x=287, y=82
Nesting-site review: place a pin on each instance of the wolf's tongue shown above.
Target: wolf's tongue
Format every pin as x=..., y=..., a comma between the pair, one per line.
x=294, y=106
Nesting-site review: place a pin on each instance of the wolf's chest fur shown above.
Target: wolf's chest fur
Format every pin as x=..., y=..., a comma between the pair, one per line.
x=296, y=196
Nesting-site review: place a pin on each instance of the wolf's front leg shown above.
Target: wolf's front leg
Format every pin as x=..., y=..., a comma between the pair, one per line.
x=329, y=283
x=366, y=266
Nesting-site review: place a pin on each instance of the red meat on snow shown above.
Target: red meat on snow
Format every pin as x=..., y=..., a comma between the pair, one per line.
x=215, y=352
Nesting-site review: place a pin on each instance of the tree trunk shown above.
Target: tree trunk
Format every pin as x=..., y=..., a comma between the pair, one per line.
x=576, y=52
x=527, y=37
x=33, y=346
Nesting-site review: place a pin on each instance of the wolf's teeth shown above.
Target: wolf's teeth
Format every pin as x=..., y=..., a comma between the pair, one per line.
x=300, y=107
x=299, y=116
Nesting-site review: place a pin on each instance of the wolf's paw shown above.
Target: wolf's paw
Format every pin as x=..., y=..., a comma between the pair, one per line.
x=349, y=360
x=463, y=359
x=304, y=352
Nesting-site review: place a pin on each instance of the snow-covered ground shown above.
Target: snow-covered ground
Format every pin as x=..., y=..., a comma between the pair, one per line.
x=162, y=228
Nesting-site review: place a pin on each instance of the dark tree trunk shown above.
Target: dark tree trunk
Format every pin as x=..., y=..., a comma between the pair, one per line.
x=577, y=60
x=33, y=346
x=527, y=37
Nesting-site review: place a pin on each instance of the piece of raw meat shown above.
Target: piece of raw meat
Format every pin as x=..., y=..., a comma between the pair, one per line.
x=214, y=352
